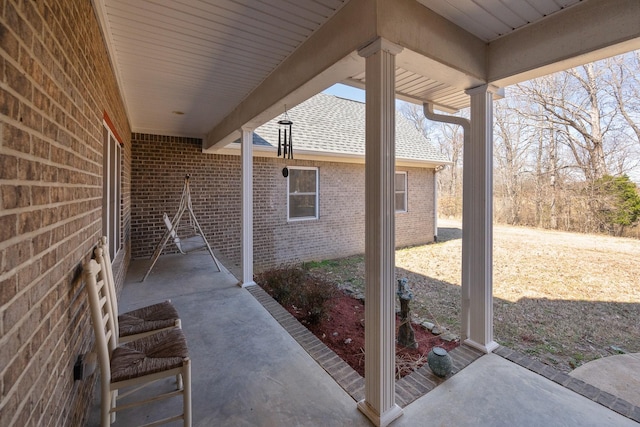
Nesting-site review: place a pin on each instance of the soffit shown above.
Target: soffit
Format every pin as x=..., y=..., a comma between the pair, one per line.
x=202, y=57
x=226, y=64
x=490, y=19
x=417, y=88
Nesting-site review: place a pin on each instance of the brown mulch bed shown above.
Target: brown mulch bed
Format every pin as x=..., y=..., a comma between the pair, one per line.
x=343, y=332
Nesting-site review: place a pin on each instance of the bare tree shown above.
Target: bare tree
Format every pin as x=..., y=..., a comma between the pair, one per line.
x=573, y=103
x=556, y=138
x=449, y=140
x=624, y=86
x=513, y=138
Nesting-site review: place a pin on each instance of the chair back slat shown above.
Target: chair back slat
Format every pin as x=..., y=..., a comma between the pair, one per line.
x=101, y=317
x=101, y=252
x=98, y=280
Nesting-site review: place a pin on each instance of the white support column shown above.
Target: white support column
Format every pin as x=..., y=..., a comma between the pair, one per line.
x=379, y=402
x=435, y=204
x=246, y=153
x=477, y=221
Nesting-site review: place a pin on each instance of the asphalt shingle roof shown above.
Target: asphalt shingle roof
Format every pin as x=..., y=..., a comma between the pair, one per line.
x=329, y=124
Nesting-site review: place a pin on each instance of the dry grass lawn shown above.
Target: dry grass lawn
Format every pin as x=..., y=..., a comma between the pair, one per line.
x=562, y=298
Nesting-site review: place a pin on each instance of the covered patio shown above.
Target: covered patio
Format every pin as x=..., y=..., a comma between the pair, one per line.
x=443, y=55
x=83, y=81
x=249, y=370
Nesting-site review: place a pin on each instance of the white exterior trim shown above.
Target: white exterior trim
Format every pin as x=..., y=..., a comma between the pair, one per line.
x=380, y=334
x=112, y=190
x=327, y=156
x=317, y=194
x=406, y=191
x=247, y=208
x=477, y=221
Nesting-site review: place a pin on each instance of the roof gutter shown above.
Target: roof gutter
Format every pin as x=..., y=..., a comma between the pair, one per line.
x=233, y=149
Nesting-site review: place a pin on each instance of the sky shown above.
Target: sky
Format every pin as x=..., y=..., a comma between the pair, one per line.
x=344, y=91
x=352, y=93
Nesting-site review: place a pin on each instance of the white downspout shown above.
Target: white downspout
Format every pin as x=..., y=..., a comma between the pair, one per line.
x=466, y=176
x=461, y=121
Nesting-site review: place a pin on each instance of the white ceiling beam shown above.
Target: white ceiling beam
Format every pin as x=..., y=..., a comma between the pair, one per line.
x=438, y=48
x=589, y=31
x=451, y=54
x=325, y=58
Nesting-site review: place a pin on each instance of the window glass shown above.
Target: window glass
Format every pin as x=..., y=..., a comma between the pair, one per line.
x=303, y=193
x=401, y=191
x=112, y=158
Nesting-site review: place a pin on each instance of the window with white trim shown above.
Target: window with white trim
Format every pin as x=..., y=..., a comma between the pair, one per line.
x=401, y=191
x=302, y=191
x=111, y=182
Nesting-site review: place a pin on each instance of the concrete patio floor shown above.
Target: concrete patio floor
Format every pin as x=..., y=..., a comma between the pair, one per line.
x=249, y=371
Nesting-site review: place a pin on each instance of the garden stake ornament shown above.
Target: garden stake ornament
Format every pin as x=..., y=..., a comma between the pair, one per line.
x=285, y=147
x=406, y=334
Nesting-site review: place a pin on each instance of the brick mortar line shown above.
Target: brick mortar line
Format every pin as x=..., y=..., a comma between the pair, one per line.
x=579, y=386
x=49, y=73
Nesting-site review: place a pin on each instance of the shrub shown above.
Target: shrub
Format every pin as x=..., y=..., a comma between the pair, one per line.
x=280, y=282
x=292, y=286
x=314, y=298
x=617, y=203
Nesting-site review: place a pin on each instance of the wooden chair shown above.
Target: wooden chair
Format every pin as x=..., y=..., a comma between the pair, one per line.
x=142, y=321
x=137, y=363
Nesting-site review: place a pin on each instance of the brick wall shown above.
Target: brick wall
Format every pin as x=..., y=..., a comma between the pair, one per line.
x=339, y=230
x=56, y=84
x=160, y=163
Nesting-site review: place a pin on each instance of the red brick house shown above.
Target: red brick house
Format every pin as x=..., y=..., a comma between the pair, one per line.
x=328, y=153
x=92, y=91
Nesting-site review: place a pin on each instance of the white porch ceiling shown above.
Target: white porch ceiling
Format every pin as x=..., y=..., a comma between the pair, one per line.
x=490, y=19
x=205, y=68
x=200, y=58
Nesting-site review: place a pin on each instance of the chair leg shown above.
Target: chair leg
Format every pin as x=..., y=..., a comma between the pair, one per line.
x=186, y=396
x=179, y=382
x=114, y=398
x=105, y=406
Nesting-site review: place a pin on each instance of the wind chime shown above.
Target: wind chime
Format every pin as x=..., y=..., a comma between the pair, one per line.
x=285, y=147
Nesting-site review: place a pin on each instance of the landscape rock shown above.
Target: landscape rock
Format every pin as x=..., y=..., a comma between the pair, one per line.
x=449, y=337
x=427, y=325
x=437, y=330
x=617, y=349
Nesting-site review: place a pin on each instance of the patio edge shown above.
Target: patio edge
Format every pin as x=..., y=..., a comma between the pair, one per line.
x=589, y=391
x=408, y=388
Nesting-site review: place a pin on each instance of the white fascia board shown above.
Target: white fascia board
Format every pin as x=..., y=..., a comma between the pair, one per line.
x=586, y=32
x=317, y=156
x=100, y=10
x=440, y=49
